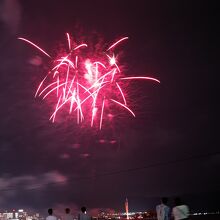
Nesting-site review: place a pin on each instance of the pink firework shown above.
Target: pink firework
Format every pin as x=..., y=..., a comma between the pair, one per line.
x=87, y=86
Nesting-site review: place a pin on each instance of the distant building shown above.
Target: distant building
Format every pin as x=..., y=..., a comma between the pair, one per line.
x=19, y=215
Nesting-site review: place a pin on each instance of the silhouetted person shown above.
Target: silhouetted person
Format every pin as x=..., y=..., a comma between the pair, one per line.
x=180, y=211
x=83, y=215
x=51, y=216
x=163, y=211
x=67, y=215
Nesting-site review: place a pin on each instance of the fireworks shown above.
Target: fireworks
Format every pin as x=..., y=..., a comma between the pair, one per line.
x=88, y=86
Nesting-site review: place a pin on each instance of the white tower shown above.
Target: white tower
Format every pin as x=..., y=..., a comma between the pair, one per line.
x=126, y=207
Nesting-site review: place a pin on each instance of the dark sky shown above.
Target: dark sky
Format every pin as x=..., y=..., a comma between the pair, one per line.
x=173, y=142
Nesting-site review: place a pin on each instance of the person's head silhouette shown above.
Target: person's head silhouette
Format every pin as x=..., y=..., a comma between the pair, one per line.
x=177, y=201
x=164, y=200
x=83, y=209
x=67, y=210
x=50, y=211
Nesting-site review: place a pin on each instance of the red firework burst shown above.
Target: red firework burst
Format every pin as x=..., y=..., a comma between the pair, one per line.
x=87, y=85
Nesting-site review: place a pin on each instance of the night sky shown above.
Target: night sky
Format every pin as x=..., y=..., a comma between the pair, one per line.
x=170, y=149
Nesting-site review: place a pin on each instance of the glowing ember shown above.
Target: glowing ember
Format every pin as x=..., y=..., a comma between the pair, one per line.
x=88, y=86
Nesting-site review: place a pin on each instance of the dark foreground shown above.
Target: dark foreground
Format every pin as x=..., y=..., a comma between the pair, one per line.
x=205, y=217
x=198, y=217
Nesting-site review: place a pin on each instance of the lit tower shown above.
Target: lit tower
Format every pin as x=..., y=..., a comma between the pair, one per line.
x=126, y=207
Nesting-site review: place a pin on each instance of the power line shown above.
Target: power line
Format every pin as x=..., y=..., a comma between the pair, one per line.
x=117, y=172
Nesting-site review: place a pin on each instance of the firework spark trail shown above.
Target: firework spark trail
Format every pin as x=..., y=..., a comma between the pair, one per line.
x=122, y=94
x=87, y=84
x=47, y=88
x=38, y=89
x=21, y=38
x=140, y=77
x=81, y=45
x=103, y=105
x=119, y=103
x=113, y=45
x=68, y=40
x=62, y=84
